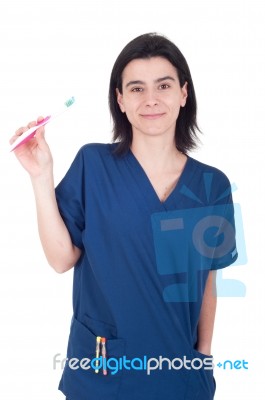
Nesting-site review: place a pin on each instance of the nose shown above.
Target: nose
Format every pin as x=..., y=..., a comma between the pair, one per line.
x=151, y=99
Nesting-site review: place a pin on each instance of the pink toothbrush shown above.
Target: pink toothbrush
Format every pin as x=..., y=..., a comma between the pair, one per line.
x=31, y=132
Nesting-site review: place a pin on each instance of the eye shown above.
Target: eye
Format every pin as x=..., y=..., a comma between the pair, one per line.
x=137, y=89
x=164, y=86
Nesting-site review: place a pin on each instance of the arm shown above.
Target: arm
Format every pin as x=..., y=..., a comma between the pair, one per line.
x=55, y=239
x=36, y=158
x=207, y=315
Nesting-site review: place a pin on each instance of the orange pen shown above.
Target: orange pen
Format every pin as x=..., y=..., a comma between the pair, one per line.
x=104, y=355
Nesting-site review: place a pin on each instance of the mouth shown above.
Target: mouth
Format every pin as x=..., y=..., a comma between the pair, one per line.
x=152, y=116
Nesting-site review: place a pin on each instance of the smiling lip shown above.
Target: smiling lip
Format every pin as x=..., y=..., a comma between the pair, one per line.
x=152, y=116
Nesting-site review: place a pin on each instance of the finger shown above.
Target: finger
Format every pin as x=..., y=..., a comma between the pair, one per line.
x=40, y=135
x=17, y=134
x=40, y=118
x=31, y=124
x=21, y=130
x=40, y=138
x=13, y=139
x=40, y=131
x=25, y=128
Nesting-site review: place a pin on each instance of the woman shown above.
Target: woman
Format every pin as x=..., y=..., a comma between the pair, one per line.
x=145, y=227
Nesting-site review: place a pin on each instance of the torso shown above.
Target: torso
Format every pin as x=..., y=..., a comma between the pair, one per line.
x=140, y=281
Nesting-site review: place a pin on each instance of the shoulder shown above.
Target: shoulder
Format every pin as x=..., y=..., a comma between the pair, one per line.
x=208, y=170
x=97, y=148
x=95, y=151
x=210, y=183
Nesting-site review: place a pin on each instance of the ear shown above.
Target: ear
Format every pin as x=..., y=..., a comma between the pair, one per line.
x=120, y=100
x=184, y=91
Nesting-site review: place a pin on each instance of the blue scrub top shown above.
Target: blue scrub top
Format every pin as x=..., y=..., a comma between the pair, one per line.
x=141, y=276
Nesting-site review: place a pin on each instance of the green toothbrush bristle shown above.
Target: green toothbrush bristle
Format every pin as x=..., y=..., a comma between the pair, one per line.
x=69, y=102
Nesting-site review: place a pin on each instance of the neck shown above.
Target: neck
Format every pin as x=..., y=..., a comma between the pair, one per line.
x=156, y=154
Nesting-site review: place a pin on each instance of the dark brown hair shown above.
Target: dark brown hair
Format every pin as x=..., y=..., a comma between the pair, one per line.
x=144, y=47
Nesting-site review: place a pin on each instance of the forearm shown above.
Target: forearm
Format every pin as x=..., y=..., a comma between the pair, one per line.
x=207, y=315
x=55, y=238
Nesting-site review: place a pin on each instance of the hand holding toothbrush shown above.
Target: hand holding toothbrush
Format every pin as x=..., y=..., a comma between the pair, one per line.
x=34, y=155
x=29, y=144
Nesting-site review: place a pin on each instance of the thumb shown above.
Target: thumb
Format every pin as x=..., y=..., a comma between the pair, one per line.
x=40, y=138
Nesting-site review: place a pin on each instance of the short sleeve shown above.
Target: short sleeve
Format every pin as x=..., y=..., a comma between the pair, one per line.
x=223, y=219
x=70, y=199
x=225, y=252
x=214, y=233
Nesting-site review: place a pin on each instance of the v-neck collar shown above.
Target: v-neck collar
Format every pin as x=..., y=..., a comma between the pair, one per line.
x=147, y=190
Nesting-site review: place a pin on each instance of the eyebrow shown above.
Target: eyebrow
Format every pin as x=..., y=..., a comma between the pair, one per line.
x=138, y=82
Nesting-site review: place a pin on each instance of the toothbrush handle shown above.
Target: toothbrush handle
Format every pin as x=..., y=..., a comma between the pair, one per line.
x=26, y=136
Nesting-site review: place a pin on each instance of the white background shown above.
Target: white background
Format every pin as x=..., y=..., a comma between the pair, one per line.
x=51, y=50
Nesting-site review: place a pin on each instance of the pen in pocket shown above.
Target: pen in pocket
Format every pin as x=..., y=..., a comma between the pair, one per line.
x=97, y=353
x=104, y=355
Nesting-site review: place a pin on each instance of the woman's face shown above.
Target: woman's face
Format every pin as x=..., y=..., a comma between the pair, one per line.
x=151, y=96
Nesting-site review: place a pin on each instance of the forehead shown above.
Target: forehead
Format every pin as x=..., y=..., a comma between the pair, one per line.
x=148, y=69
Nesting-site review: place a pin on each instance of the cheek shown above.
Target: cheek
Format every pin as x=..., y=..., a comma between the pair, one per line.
x=172, y=105
x=130, y=116
x=176, y=104
x=131, y=106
